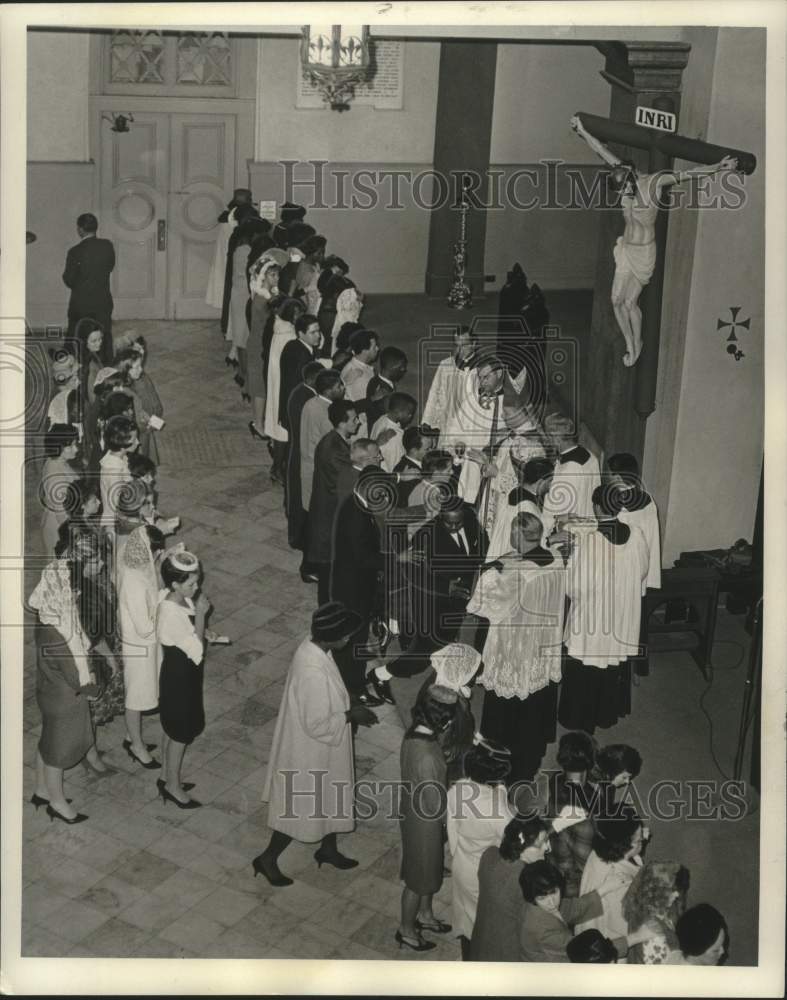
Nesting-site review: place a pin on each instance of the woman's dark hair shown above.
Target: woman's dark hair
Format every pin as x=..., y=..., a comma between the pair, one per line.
x=117, y=380
x=140, y=465
x=290, y=309
x=119, y=433
x=576, y=752
x=130, y=497
x=617, y=758
x=539, y=879
x=125, y=359
x=116, y=404
x=698, y=928
x=59, y=437
x=170, y=574
x=84, y=328
x=520, y=833
x=591, y=946
x=428, y=711
x=156, y=538
x=79, y=492
x=613, y=836
x=485, y=768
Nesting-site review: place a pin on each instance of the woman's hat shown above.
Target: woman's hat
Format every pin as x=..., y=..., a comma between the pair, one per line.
x=314, y=244
x=333, y=621
x=277, y=256
x=291, y=212
x=299, y=232
x=64, y=367
x=103, y=374
x=455, y=666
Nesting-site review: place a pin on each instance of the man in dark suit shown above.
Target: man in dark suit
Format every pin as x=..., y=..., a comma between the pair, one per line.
x=332, y=462
x=392, y=364
x=297, y=522
x=88, y=267
x=357, y=563
x=295, y=355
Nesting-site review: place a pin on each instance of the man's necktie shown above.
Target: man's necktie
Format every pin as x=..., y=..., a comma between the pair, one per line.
x=460, y=543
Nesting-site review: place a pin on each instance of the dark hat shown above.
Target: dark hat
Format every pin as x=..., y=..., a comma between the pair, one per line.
x=240, y=196
x=291, y=213
x=333, y=621
x=299, y=232
x=253, y=225
x=314, y=244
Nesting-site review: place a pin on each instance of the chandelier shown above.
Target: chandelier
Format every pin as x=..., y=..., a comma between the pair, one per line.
x=336, y=59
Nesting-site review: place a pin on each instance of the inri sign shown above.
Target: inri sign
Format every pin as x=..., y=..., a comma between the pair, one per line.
x=664, y=121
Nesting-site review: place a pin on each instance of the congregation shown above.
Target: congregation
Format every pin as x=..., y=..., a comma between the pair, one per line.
x=467, y=540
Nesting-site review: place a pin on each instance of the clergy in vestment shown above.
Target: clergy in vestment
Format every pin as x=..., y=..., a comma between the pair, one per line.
x=605, y=573
x=449, y=376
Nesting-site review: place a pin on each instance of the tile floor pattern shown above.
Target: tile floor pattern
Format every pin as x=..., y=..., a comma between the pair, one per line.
x=142, y=878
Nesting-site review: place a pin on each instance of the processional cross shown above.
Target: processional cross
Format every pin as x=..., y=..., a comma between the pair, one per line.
x=635, y=250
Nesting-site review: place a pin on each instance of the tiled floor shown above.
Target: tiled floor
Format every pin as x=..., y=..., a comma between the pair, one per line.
x=142, y=878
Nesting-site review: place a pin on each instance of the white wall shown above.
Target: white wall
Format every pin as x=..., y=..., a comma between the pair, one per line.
x=359, y=135
x=718, y=439
x=58, y=69
x=539, y=88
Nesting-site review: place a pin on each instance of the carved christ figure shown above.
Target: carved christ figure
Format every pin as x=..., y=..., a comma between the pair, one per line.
x=635, y=250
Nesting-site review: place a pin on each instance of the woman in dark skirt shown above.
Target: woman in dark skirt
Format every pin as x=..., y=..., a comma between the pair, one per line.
x=180, y=630
x=422, y=812
x=64, y=679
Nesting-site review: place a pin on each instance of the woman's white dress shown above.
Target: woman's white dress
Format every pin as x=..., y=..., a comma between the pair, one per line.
x=138, y=595
x=309, y=784
x=283, y=333
x=476, y=817
x=616, y=876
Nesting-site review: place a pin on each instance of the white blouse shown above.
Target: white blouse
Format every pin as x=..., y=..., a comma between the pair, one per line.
x=174, y=627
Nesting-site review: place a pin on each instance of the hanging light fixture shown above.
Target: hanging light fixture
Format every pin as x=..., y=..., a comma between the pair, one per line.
x=336, y=59
x=120, y=123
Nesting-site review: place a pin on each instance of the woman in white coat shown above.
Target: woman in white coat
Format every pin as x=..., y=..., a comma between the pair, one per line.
x=311, y=773
x=138, y=595
x=477, y=814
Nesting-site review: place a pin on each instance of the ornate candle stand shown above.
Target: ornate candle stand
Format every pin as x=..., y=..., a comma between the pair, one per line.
x=460, y=295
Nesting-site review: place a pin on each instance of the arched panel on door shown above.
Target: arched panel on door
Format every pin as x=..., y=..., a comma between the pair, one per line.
x=134, y=185
x=203, y=176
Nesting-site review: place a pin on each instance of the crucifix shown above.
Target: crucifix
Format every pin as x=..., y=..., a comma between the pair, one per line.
x=635, y=250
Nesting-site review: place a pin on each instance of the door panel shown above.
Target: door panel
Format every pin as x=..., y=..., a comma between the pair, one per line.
x=134, y=185
x=202, y=179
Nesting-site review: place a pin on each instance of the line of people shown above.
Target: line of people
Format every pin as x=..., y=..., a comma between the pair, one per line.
x=121, y=621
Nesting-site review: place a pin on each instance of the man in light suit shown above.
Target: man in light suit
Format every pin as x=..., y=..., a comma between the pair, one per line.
x=88, y=267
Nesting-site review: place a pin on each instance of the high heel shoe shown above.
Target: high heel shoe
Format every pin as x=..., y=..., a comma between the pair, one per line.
x=54, y=814
x=255, y=433
x=337, y=860
x=238, y=379
x=231, y=362
x=151, y=765
x=275, y=878
x=167, y=796
x=186, y=785
x=245, y=397
x=39, y=800
x=407, y=942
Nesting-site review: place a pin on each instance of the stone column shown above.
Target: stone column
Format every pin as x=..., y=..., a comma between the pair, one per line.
x=463, y=133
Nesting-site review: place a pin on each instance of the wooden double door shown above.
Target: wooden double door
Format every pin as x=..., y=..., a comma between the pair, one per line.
x=162, y=186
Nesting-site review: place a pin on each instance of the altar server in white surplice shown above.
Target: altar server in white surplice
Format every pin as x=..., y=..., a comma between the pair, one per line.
x=450, y=374
x=638, y=507
x=606, y=572
x=576, y=474
x=524, y=603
